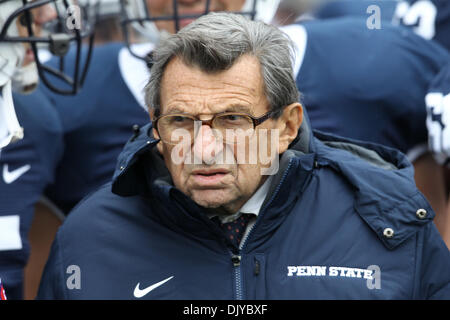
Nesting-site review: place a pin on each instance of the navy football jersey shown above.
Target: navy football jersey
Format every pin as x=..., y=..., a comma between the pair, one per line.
x=27, y=166
x=438, y=115
x=428, y=18
x=339, y=8
x=366, y=84
x=97, y=122
x=441, y=82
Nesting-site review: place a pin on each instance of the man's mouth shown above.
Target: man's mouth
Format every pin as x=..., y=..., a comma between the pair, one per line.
x=185, y=22
x=209, y=177
x=191, y=15
x=29, y=56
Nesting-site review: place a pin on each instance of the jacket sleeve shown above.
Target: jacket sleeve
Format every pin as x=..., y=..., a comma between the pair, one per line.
x=433, y=265
x=53, y=281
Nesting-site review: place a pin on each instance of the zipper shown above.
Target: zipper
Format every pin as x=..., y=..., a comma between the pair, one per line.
x=236, y=258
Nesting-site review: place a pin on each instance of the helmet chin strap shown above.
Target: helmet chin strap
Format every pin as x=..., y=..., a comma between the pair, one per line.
x=10, y=129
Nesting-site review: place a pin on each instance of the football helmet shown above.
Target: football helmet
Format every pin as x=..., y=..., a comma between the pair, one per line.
x=58, y=25
x=139, y=20
x=70, y=27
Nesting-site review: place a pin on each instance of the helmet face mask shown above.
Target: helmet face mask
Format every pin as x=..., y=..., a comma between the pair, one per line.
x=19, y=28
x=151, y=20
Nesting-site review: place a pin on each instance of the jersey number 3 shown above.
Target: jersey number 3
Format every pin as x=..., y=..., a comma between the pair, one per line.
x=420, y=15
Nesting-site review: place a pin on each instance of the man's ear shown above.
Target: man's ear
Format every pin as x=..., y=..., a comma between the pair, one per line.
x=289, y=123
x=159, y=146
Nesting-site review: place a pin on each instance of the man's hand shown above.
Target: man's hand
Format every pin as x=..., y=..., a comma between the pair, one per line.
x=438, y=124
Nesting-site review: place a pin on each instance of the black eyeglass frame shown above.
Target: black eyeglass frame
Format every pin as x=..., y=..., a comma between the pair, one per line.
x=256, y=120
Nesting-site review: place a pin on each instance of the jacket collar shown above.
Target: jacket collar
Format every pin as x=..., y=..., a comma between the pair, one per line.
x=386, y=196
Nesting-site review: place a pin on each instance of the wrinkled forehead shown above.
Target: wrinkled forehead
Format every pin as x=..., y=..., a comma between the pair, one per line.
x=187, y=88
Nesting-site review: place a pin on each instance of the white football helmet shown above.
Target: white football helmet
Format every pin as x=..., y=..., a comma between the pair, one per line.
x=137, y=16
x=20, y=36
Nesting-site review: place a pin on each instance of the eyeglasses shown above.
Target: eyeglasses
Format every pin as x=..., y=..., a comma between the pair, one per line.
x=229, y=126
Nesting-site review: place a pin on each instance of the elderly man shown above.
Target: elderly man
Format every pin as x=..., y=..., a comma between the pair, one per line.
x=188, y=217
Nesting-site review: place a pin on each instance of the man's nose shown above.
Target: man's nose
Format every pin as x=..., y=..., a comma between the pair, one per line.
x=207, y=144
x=44, y=14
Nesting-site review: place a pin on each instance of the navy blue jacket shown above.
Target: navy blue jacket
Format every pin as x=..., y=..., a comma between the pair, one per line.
x=321, y=233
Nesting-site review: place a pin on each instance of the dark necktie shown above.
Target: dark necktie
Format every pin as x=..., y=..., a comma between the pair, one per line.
x=235, y=230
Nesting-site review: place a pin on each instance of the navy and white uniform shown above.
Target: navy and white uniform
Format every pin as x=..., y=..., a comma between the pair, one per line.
x=428, y=18
x=97, y=122
x=26, y=167
x=438, y=115
x=366, y=84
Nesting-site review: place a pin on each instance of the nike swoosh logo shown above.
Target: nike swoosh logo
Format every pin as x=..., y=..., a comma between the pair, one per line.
x=11, y=176
x=138, y=293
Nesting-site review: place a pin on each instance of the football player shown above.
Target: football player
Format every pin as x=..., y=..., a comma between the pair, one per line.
x=30, y=130
x=428, y=18
x=438, y=124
